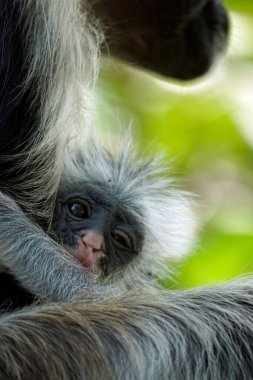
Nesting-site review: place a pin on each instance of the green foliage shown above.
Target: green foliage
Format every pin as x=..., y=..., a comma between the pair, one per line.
x=245, y=6
x=207, y=128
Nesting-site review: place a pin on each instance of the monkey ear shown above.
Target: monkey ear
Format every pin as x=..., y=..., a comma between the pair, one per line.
x=176, y=38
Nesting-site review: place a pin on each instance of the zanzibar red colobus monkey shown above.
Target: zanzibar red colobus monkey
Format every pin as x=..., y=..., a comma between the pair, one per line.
x=80, y=330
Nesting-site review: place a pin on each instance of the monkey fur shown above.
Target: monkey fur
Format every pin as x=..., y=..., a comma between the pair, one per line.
x=49, y=65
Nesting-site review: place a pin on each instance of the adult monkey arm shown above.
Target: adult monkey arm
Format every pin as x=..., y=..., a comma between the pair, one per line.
x=199, y=334
x=36, y=261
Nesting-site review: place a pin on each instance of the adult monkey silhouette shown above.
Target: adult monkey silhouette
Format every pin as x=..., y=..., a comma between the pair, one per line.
x=49, y=58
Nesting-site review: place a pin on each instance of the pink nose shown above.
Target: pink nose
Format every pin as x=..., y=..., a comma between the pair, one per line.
x=89, y=249
x=92, y=240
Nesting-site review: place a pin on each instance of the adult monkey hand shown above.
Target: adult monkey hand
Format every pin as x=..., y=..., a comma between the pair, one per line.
x=176, y=38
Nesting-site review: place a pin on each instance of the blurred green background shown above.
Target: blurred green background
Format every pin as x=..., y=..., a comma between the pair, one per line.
x=207, y=128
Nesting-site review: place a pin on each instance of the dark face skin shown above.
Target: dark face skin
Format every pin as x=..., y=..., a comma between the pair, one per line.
x=96, y=228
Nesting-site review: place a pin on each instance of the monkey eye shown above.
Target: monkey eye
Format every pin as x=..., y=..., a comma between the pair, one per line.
x=79, y=208
x=121, y=238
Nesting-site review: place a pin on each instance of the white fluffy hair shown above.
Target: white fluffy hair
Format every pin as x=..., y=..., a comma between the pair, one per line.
x=143, y=186
x=62, y=45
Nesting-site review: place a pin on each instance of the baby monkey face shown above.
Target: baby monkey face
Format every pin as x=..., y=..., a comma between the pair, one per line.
x=98, y=229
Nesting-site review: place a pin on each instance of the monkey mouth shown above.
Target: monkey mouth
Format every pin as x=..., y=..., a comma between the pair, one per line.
x=95, y=261
x=91, y=260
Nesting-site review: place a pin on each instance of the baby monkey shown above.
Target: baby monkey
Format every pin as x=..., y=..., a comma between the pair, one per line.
x=115, y=211
x=114, y=217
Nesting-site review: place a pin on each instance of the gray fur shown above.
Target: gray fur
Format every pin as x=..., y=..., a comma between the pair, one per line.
x=62, y=52
x=41, y=265
x=201, y=334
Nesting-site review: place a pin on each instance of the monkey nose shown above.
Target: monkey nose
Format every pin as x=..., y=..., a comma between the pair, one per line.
x=92, y=240
x=89, y=250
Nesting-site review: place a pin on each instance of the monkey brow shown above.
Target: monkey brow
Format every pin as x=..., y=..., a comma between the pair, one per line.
x=106, y=196
x=100, y=196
